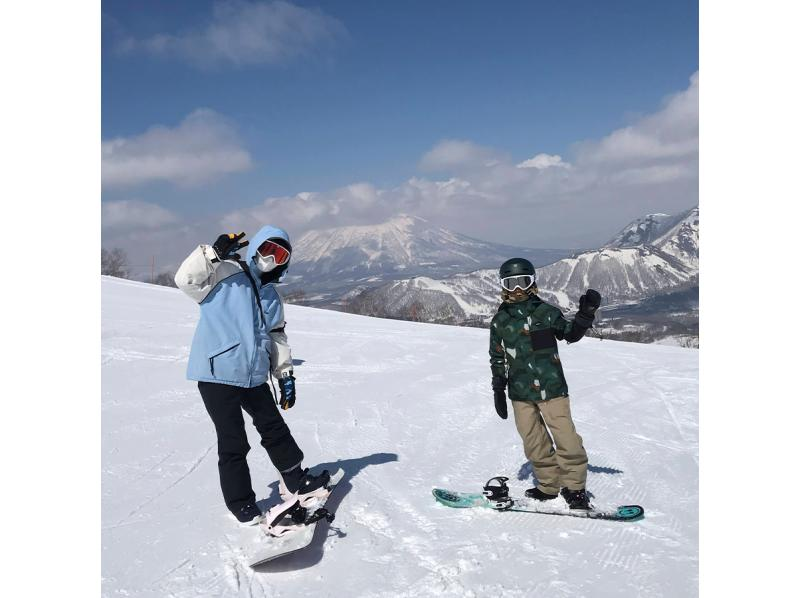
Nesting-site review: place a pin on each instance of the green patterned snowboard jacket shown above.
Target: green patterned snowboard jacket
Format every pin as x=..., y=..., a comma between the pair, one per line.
x=523, y=336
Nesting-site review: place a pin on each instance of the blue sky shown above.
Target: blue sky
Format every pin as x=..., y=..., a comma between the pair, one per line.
x=369, y=88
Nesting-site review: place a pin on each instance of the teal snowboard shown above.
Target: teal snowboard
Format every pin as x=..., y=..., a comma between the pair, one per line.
x=464, y=500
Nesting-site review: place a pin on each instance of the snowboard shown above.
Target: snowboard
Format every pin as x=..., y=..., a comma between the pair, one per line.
x=299, y=535
x=464, y=500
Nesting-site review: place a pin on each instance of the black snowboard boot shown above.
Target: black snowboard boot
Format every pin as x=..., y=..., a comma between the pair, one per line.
x=303, y=485
x=576, y=499
x=249, y=515
x=537, y=494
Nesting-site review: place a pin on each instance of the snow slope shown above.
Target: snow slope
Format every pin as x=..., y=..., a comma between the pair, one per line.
x=401, y=407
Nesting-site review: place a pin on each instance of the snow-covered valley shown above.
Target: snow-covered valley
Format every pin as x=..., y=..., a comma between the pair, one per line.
x=401, y=407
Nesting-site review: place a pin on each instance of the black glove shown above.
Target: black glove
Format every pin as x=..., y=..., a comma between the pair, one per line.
x=499, y=387
x=288, y=394
x=588, y=304
x=228, y=244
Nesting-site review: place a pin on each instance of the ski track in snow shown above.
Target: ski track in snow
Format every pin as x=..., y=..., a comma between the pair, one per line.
x=404, y=407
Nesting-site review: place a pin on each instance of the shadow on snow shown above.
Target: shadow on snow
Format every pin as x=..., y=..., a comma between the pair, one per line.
x=312, y=554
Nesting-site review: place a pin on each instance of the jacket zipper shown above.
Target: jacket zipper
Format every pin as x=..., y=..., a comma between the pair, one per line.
x=260, y=308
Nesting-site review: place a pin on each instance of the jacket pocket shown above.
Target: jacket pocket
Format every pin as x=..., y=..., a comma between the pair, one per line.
x=543, y=339
x=222, y=361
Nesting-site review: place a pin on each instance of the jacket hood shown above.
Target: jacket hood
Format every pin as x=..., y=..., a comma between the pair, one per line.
x=266, y=232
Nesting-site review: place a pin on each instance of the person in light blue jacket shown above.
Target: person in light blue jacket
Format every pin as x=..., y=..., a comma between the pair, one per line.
x=239, y=342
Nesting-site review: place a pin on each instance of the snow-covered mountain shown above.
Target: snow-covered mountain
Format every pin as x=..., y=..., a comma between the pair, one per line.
x=626, y=273
x=470, y=298
x=400, y=407
x=682, y=240
x=642, y=231
x=623, y=273
x=338, y=261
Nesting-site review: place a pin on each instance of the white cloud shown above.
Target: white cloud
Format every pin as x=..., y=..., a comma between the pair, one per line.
x=457, y=154
x=202, y=148
x=357, y=203
x=652, y=175
x=671, y=134
x=542, y=161
x=134, y=214
x=247, y=33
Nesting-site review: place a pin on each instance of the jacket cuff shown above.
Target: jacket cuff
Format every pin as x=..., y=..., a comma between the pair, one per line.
x=584, y=320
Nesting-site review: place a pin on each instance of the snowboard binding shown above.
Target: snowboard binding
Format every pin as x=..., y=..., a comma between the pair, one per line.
x=496, y=492
x=298, y=516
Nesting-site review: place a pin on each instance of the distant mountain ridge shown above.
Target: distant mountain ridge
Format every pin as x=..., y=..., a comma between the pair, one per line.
x=642, y=231
x=630, y=272
x=665, y=259
x=334, y=264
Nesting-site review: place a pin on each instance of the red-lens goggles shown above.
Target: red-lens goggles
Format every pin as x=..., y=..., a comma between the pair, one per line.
x=270, y=248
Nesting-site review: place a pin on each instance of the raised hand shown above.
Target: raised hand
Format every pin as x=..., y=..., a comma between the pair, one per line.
x=228, y=244
x=589, y=302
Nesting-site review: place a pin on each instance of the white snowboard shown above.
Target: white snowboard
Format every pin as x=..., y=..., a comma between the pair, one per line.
x=271, y=547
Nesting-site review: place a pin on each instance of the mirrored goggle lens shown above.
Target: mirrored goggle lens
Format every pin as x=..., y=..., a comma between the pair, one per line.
x=268, y=248
x=512, y=282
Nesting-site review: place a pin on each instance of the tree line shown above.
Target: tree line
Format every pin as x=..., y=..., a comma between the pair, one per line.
x=114, y=262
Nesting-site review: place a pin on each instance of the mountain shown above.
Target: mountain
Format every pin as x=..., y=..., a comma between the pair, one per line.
x=462, y=299
x=642, y=231
x=630, y=272
x=623, y=273
x=682, y=241
x=338, y=263
x=400, y=407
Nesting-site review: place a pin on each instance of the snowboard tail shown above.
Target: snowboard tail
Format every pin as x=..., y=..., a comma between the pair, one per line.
x=466, y=500
x=299, y=527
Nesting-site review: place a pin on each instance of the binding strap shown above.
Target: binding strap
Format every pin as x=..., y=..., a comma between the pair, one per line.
x=497, y=493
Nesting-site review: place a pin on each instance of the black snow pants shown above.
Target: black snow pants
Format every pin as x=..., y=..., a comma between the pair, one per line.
x=224, y=404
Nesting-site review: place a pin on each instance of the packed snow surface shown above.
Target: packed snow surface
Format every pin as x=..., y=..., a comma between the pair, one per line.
x=401, y=407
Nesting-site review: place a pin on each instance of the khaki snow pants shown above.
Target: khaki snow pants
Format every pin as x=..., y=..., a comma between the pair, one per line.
x=560, y=461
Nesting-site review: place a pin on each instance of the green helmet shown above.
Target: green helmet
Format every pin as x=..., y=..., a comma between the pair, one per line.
x=516, y=266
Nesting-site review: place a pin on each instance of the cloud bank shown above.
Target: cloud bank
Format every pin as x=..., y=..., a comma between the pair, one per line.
x=244, y=33
x=134, y=214
x=650, y=165
x=202, y=148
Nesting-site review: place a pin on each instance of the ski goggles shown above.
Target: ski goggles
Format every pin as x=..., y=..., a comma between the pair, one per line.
x=524, y=281
x=271, y=249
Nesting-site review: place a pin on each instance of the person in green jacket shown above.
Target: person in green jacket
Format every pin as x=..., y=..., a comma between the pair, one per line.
x=524, y=358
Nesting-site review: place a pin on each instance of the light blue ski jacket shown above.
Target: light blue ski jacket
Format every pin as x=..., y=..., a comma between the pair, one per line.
x=237, y=339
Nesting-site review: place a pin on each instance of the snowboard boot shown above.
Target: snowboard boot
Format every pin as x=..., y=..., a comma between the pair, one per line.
x=537, y=494
x=249, y=515
x=299, y=484
x=576, y=499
